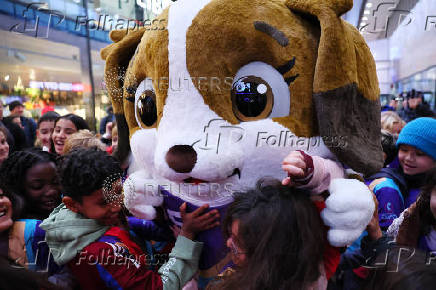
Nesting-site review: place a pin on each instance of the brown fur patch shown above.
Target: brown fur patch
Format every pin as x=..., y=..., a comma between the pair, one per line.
x=223, y=38
x=151, y=61
x=352, y=132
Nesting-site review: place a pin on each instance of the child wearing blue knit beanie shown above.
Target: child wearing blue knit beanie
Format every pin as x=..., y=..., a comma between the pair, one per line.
x=421, y=135
x=397, y=189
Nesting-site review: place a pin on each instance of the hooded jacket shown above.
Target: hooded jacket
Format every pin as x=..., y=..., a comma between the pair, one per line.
x=395, y=191
x=102, y=257
x=67, y=233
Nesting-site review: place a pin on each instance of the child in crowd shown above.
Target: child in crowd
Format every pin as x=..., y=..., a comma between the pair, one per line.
x=397, y=189
x=5, y=222
x=44, y=129
x=64, y=127
x=276, y=238
x=18, y=140
x=391, y=122
x=14, y=276
x=111, y=149
x=390, y=151
x=31, y=176
x=88, y=234
x=4, y=146
x=29, y=180
x=82, y=139
x=416, y=227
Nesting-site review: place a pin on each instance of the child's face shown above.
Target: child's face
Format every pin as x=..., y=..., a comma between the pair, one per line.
x=414, y=161
x=433, y=202
x=44, y=132
x=5, y=212
x=4, y=148
x=114, y=141
x=96, y=207
x=62, y=130
x=396, y=127
x=238, y=255
x=42, y=188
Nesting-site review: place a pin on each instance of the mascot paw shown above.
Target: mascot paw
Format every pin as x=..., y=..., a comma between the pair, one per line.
x=348, y=211
x=341, y=238
x=140, y=195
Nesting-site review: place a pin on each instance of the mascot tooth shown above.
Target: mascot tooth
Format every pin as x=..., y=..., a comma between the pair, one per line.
x=216, y=93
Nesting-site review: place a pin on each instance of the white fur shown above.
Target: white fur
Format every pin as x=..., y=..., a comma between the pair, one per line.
x=348, y=211
x=141, y=194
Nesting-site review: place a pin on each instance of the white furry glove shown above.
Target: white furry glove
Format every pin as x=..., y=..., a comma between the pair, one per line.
x=141, y=194
x=349, y=209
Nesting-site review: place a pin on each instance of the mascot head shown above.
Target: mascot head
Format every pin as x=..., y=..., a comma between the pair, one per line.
x=216, y=93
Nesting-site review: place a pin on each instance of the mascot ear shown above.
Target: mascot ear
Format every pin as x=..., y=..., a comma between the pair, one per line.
x=118, y=56
x=345, y=87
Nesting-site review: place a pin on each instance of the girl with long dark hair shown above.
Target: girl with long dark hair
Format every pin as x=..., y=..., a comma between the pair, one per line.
x=276, y=239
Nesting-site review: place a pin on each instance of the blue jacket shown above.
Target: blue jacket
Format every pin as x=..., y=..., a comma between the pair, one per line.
x=395, y=191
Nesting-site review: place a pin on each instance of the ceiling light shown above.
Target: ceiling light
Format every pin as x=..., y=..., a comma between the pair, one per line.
x=367, y=12
x=369, y=5
x=364, y=18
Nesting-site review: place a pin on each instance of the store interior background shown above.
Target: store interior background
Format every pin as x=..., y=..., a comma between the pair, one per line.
x=47, y=63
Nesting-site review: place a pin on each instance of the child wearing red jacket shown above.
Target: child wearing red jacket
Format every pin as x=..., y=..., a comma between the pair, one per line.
x=86, y=232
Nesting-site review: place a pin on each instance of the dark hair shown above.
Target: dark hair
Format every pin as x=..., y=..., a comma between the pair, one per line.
x=17, y=133
x=404, y=268
x=388, y=142
x=418, y=221
x=13, y=173
x=50, y=116
x=78, y=121
x=282, y=235
x=15, y=104
x=14, y=277
x=10, y=118
x=423, y=203
x=84, y=171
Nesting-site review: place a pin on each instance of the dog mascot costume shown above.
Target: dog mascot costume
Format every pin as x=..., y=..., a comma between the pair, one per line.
x=216, y=93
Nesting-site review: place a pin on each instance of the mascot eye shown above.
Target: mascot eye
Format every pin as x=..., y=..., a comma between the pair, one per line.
x=146, y=108
x=259, y=91
x=145, y=104
x=252, y=98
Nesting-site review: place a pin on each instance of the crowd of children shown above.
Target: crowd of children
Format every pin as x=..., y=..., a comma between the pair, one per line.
x=63, y=224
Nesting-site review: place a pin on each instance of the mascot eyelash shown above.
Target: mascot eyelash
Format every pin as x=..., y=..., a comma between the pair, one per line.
x=286, y=68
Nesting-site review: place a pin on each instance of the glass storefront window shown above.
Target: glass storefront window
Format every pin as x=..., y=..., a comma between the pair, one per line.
x=424, y=82
x=45, y=63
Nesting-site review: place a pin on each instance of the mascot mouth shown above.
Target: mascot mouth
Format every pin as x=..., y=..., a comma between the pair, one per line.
x=197, y=181
x=235, y=171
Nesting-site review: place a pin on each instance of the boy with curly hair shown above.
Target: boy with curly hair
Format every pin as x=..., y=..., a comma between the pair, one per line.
x=86, y=232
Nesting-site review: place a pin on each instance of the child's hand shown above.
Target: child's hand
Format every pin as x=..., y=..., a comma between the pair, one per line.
x=197, y=220
x=295, y=165
x=176, y=230
x=373, y=228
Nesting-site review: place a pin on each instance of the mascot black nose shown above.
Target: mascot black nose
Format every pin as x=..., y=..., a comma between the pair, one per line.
x=181, y=158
